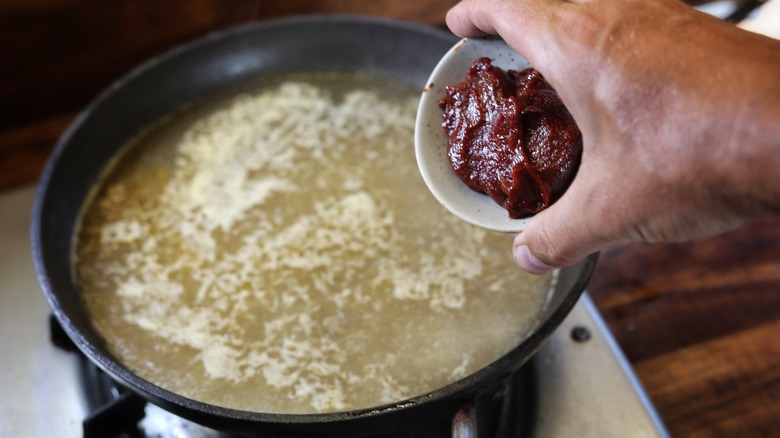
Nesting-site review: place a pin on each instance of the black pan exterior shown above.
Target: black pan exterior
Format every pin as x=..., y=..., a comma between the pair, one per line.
x=396, y=50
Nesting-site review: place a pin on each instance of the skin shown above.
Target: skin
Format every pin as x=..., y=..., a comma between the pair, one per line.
x=678, y=111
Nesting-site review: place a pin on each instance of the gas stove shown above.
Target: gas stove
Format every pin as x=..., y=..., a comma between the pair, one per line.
x=584, y=387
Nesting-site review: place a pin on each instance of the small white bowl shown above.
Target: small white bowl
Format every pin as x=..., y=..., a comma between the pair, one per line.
x=430, y=140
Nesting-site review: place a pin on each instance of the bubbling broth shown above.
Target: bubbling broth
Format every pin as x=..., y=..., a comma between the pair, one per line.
x=277, y=251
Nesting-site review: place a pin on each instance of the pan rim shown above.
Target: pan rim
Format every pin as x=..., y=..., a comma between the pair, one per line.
x=469, y=385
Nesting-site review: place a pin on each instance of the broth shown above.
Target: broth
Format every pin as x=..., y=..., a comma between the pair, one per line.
x=277, y=251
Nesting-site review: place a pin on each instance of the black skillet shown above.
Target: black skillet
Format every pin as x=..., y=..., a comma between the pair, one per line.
x=400, y=51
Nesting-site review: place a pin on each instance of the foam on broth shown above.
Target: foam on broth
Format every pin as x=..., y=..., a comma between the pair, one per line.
x=277, y=251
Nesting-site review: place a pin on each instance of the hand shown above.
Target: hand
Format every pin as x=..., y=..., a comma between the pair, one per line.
x=678, y=113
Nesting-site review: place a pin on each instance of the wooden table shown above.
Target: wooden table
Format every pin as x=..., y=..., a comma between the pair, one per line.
x=697, y=320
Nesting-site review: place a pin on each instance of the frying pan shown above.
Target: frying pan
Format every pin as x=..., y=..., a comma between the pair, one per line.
x=396, y=50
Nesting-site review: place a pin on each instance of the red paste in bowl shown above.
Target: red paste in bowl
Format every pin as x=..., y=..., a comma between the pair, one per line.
x=510, y=136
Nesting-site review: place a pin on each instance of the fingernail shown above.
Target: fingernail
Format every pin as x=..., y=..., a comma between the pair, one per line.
x=527, y=262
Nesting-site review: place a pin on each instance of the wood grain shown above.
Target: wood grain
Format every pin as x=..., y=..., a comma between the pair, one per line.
x=698, y=320
x=56, y=56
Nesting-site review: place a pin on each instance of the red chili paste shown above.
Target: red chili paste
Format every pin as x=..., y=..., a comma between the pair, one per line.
x=510, y=136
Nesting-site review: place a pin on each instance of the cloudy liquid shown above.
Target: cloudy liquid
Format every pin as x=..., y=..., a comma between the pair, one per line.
x=277, y=251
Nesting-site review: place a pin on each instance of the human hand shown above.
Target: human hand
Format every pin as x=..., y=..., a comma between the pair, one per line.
x=677, y=111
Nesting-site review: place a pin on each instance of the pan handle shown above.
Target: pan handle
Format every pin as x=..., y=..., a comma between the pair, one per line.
x=464, y=423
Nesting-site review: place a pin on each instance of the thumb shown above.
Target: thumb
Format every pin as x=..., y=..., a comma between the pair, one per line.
x=561, y=235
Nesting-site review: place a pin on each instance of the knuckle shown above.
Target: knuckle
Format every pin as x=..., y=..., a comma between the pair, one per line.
x=548, y=249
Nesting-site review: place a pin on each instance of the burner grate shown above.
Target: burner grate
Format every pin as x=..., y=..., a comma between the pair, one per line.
x=112, y=408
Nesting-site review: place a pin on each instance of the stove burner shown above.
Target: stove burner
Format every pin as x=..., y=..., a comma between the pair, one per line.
x=113, y=409
x=508, y=411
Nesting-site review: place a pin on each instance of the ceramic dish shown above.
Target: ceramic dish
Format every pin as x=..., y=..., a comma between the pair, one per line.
x=431, y=140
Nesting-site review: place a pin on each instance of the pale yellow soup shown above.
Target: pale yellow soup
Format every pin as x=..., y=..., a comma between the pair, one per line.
x=277, y=251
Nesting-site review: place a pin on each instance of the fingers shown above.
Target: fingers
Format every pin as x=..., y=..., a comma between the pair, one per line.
x=564, y=233
x=527, y=261
x=464, y=20
x=480, y=17
x=524, y=24
x=546, y=245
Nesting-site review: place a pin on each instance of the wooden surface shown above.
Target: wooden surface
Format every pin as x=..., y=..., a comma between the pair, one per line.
x=698, y=321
